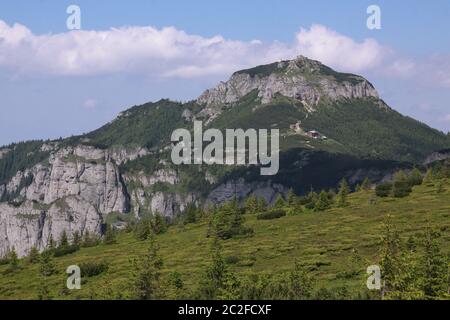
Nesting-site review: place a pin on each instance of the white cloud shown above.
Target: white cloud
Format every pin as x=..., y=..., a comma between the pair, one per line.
x=339, y=51
x=169, y=52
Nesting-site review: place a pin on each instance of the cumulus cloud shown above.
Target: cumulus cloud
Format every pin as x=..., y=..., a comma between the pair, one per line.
x=338, y=50
x=169, y=52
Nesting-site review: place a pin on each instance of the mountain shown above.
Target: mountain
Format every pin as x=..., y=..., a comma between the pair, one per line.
x=333, y=126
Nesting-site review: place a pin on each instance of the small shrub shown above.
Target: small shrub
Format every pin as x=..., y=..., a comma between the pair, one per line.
x=65, y=250
x=383, y=190
x=4, y=261
x=270, y=215
x=91, y=269
x=231, y=259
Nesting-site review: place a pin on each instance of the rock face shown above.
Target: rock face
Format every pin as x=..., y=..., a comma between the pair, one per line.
x=73, y=192
x=240, y=190
x=435, y=156
x=146, y=198
x=297, y=79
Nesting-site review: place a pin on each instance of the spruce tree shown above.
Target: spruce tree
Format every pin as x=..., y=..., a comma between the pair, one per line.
x=366, y=184
x=323, y=201
x=401, y=187
x=33, y=255
x=251, y=205
x=63, y=240
x=110, y=235
x=146, y=272
x=415, y=177
x=262, y=204
x=291, y=197
x=390, y=261
x=433, y=267
x=215, y=275
x=343, y=192
x=279, y=202
x=46, y=269
x=76, y=238
x=46, y=264
x=158, y=224
x=300, y=283
x=13, y=261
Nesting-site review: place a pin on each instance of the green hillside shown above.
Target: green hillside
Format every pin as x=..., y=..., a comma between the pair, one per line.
x=334, y=246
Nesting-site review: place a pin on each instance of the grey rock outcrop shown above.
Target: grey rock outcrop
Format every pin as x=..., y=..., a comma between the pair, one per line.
x=241, y=189
x=437, y=156
x=295, y=79
x=74, y=191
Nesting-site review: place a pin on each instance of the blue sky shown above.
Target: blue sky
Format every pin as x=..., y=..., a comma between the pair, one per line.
x=45, y=94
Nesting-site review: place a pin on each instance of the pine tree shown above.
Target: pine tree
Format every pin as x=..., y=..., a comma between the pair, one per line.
x=110, y=235
x=401, y=186
x=415, y=178
x=262, y=204
x=390, y=262
x=251, y=205
x=158, y=224
x=146, y=274
x=143, y=229
x=429, y=177
x=433, y=267
x=63, y=240
x=191, y=214
x=13, y=261
x=33, y=256
x=51, y=243
x=323, y=201
x=76, y=238
x=300, y=283
x=279, y=202
x=365, y=184
x=215, y=275
x=46, y=264
x=46, y=269
x=343, y=192
x=291, y=197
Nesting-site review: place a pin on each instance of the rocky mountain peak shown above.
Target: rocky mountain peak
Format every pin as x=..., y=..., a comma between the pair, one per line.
x=303, y=79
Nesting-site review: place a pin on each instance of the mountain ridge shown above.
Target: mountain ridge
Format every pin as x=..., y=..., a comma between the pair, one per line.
x=124, y=169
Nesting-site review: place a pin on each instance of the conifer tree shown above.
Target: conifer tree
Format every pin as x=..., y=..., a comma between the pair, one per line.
x=146, y=274
x=262, y=204
x=13, y=261
x=215, y=275
x=46, y=269
x=390, y=262
x=251, y=205
x=433, y=267
x=46, y=264
x=300, y=283
x=51, y=243
x=291, y=197
x=323, y=201
x=365, y=184
x=76, y=238
x=63, y=240
x=415, y=178
x=33, y=255
x=110, y=235
x=343, y=192
x=279, y=202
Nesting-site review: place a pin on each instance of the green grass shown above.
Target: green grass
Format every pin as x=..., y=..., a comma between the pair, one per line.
x=322, y=241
